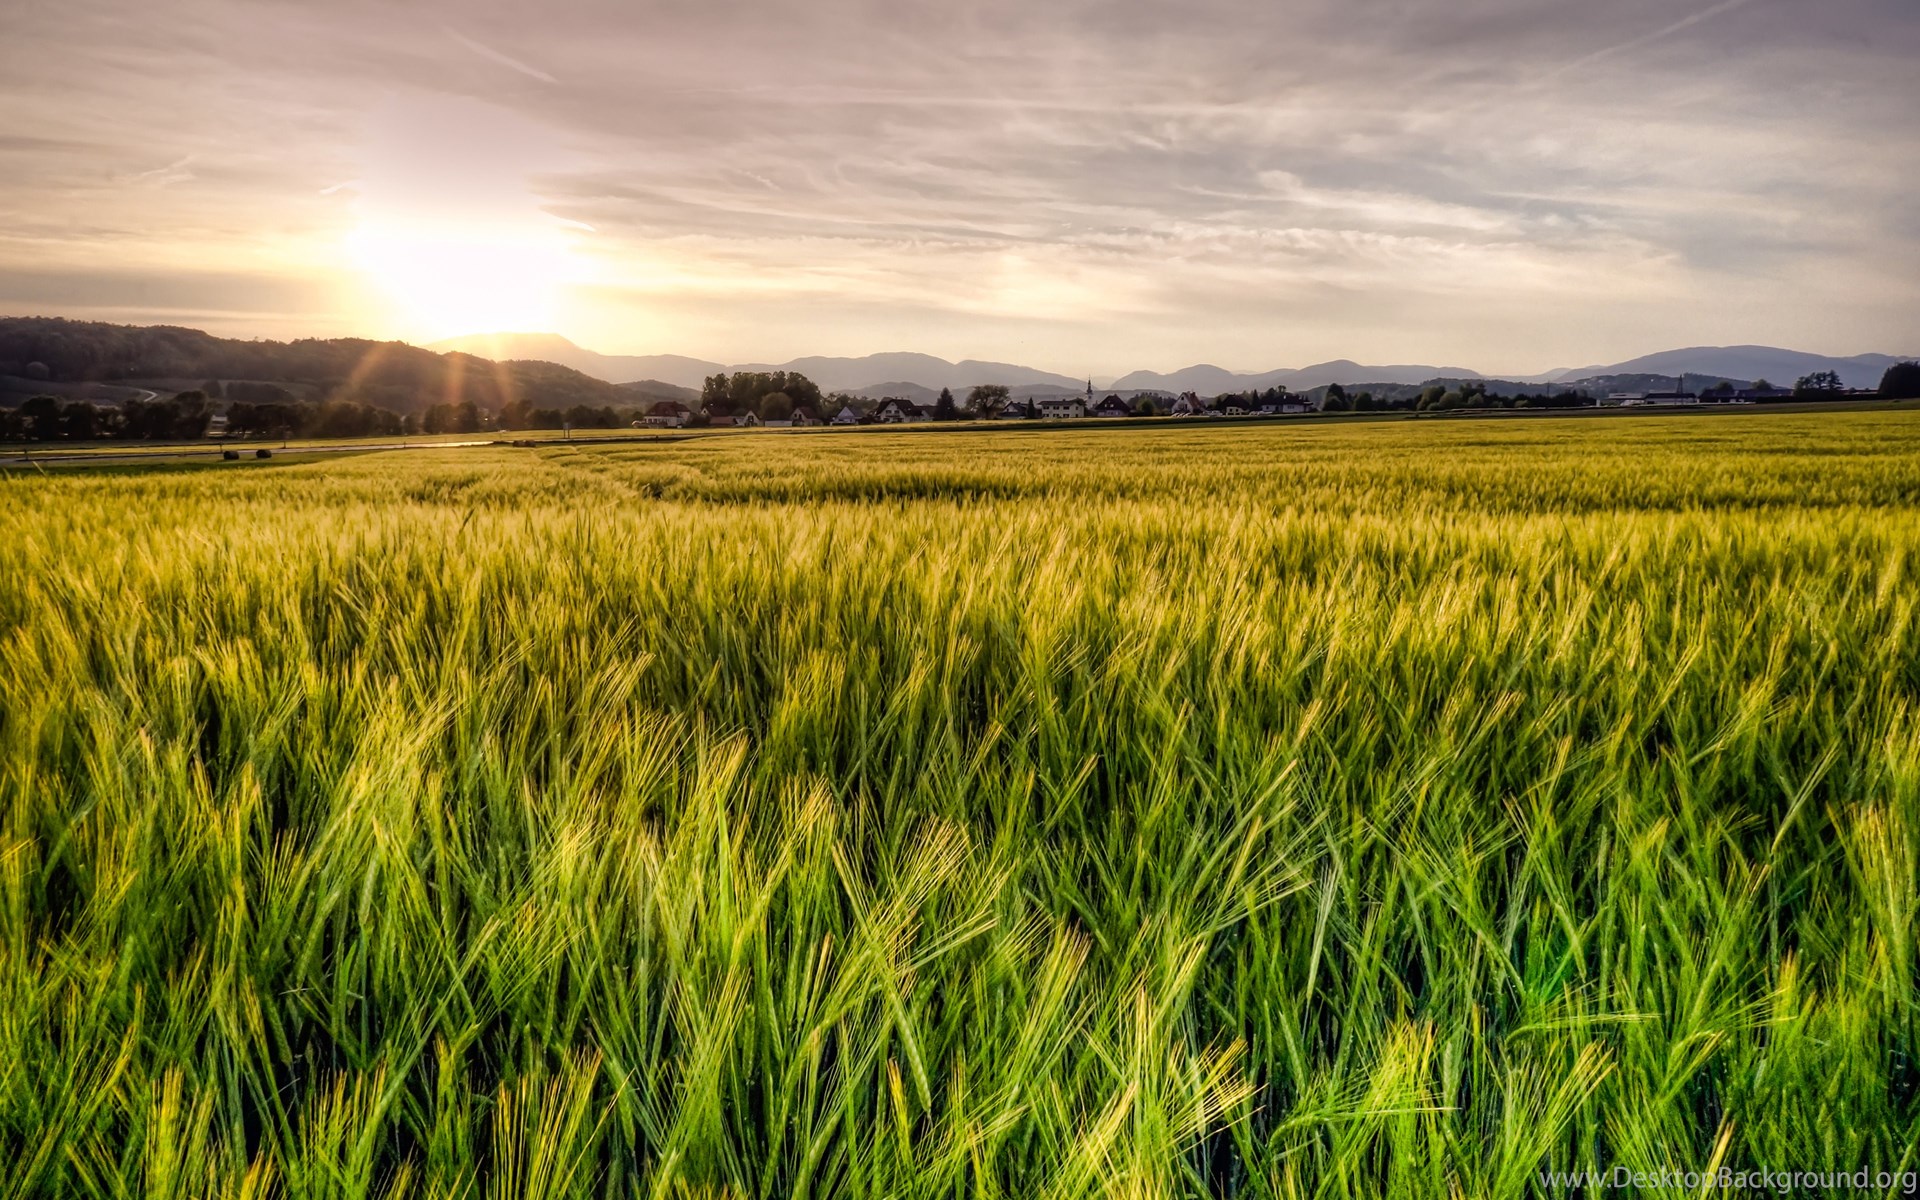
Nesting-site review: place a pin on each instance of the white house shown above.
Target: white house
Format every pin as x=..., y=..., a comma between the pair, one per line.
x=667, y=414
x=895, y=411
x=1062, y=408
x=846, y=416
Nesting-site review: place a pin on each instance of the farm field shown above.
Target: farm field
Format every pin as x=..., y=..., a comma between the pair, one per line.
x=1387, y=810
x=108, y=452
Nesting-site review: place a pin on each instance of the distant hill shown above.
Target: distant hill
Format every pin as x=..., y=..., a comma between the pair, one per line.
x=877, y=375
x=1775, y=365
x=1212, y=381
x=899, y=390
x=1703, y=365
x=1644, y=381
x=653, y=390
x=548, y=371
x=675, y=369
x=859, y=375
x=392, y=375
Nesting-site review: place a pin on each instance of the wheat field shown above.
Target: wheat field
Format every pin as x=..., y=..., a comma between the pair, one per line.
x=1392, y=810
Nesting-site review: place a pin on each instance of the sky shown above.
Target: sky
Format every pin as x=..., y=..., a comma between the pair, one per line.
x=1080, y=186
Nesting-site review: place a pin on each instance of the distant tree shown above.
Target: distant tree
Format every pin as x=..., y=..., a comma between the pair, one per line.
x=149, y=418
x=586, y=416
x=726, y=395
x=515, y=414
x=280, y=420
x=38, y=372
x=1901, y=382
x=1761, y=385
x=945, y=408
x=191, y=414
x=1336, y=399
x=40, y=418
x=1363, y=402
x=347, y=418
x=464, y=417
x=80, y=421
x=1819, y=385
x=1144, y=407
x=988, y=399
x=776, y=406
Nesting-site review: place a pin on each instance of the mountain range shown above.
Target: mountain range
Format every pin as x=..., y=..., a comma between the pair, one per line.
x=546, y=371
x=1777, y=366
x=919, y=376
x=832, y=374
x=1211, y=381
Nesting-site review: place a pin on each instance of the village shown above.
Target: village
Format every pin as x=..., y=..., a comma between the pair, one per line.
x=986, y=403
x=995, y=404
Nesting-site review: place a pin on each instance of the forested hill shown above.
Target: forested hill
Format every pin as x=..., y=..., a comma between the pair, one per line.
x=392, y=375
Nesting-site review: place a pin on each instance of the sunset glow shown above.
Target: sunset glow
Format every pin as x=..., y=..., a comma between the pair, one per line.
x=1515, y=185
x=441, y=280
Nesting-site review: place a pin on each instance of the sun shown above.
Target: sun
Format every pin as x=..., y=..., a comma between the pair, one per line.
x=440, y=279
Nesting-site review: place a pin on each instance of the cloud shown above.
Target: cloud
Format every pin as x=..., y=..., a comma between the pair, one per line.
x=491, y=55
x=1255, y=180
x=174, y=172
x=1658, y=35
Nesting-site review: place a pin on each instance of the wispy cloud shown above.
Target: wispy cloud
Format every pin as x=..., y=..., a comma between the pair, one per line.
x=494, y=56
x=173, y=172
x=1649, y=39
x=1083, y=185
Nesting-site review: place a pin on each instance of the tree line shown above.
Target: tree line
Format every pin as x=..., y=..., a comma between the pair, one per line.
x=265, y=410
x=190, y=415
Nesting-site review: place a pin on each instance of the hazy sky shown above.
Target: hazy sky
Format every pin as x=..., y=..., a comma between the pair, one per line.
x=1506, y=185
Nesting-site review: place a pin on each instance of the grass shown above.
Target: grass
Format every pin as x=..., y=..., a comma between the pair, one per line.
x=1384, y=810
